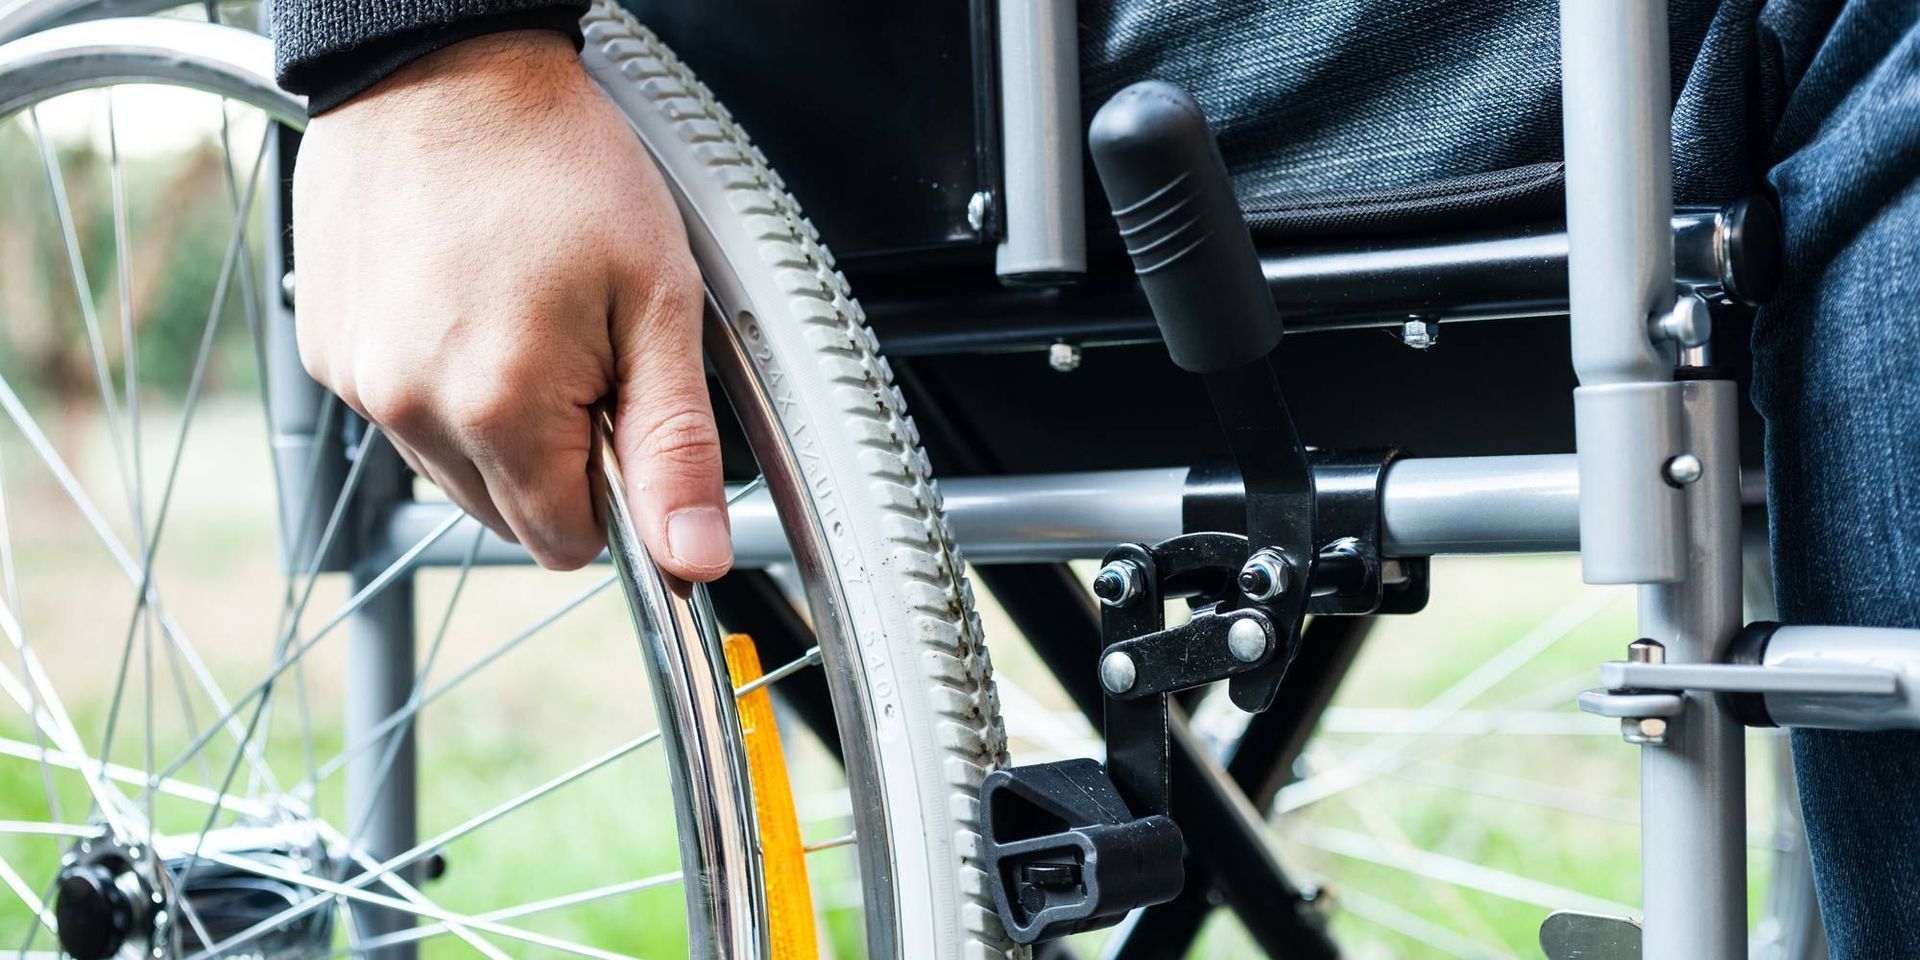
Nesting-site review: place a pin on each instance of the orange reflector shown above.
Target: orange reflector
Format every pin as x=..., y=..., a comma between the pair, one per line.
x=789, y=898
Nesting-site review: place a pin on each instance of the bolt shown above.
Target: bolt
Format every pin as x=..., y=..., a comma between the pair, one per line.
x=1687, y=324
x=1117, y=583
x=1247, y=640
x=1420, y=333
x=1265, y=576
x=978, y=206
x=1683, y=470
x=286, y=287
x=1064, y=357
x=1646, y=651
x=1117, y=672
x=1651, y=731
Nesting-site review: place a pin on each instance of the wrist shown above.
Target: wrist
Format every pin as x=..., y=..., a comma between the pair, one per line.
x=483, y=80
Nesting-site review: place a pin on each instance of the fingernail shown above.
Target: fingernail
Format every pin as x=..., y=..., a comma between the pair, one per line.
x=699, y=539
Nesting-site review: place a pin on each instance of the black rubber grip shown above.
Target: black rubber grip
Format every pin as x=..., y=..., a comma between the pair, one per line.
x=1182, y=226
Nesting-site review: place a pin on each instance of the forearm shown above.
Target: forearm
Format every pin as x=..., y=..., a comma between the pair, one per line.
x=331, y=50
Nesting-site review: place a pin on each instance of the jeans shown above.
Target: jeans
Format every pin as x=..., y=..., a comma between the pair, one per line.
x=1840, y=390
x=1816, y=100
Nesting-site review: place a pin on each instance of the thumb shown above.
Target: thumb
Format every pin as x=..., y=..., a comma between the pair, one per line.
x=664, y=433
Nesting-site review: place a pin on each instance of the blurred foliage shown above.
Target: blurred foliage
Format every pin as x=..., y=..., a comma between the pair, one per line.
x=179, y=223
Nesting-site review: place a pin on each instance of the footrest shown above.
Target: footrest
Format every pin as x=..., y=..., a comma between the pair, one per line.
x=1066, y=855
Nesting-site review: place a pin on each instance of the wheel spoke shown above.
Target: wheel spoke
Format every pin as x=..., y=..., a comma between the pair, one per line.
x=119, y=773
x=1383, y=914
x=18, y=885
x=264, y=690
x=1384, y=751
x=12, y=599
x=809, y=659
x=354, y=891
x=53, y=716
x=528, y=909
x=261, y=690
x=845, y=840
x=395, y=740
x=196, y=381
x=1452, y=870
x=37, y=439
x=373, y=736
x=83, y=292
x=129, y=344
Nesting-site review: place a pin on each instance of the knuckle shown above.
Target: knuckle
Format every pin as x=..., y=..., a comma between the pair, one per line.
x=567, y=553
x=683, y=437
x=674, y=289
x=393, y=403
x=486, y=416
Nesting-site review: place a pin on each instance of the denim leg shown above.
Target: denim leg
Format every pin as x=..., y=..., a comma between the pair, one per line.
x=1837, y=374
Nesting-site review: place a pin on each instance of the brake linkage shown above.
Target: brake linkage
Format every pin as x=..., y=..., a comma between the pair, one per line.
x=1074, y=845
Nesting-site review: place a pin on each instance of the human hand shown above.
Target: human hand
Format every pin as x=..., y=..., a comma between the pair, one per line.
x=485, y=251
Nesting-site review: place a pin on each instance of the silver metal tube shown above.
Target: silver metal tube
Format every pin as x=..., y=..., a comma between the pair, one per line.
x=1043, y=207
x=1465, y=505
x=1481, y=505
x=1692, y=786
x=1619, y=185
x=1879, y=647
x=1620, y=275
x=700, y=732
x=381, y=792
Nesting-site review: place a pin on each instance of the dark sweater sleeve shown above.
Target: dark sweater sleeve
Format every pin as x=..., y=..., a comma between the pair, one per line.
x=330, y=50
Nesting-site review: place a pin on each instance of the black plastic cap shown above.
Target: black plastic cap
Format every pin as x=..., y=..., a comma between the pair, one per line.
x=1751, y=250
x=1181, y=223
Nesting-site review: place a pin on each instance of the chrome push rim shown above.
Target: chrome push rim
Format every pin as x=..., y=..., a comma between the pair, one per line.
x=699, y=731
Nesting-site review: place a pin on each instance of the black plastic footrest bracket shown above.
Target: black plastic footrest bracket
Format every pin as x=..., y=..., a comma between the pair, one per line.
x=1066, y=855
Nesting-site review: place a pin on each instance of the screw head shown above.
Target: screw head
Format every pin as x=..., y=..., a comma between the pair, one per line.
x=1117, y=583
x=1651, y=731
x=286, y=287
x=1420, y=334
x=978, y=206
x=1247, y=640
x=1117, y=672
x=1064, y=357
x=1684, y=470
x=1646, y=651
x=1688, y=324
x=1265, y=576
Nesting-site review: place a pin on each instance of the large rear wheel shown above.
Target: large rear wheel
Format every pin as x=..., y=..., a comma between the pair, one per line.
x=174, y=738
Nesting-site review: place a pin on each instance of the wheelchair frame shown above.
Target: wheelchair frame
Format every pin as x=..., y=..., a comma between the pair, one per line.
x=1652, y=498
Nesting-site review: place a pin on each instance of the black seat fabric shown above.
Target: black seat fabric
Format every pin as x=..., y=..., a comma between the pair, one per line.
x=1345, y=118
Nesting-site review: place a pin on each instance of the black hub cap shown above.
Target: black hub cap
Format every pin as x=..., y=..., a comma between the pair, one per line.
x=94, y=914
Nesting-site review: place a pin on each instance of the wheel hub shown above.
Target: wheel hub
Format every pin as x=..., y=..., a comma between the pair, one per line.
x=117, y=900
x=106, y=904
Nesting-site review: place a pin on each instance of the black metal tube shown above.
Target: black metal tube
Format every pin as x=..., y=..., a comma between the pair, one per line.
x=1730, y=252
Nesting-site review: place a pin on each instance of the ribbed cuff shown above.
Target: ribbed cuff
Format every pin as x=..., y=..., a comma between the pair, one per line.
x=331, y=59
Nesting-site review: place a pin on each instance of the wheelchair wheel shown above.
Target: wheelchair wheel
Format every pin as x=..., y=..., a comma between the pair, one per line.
x=178, y=779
